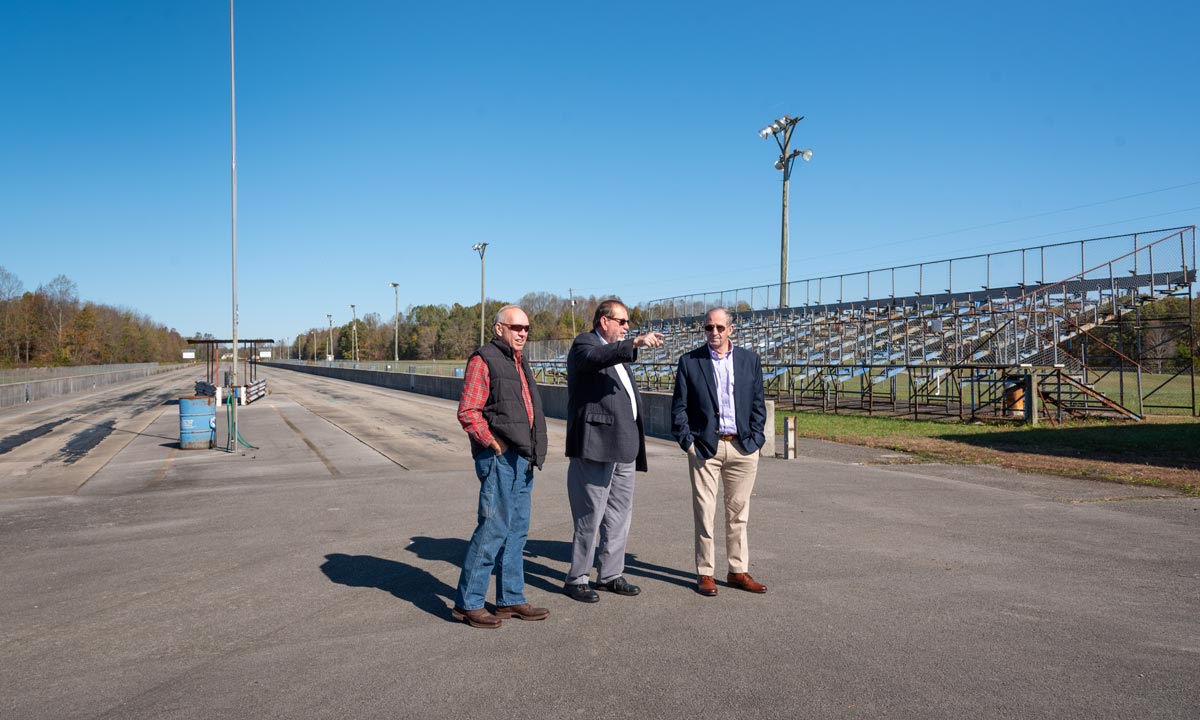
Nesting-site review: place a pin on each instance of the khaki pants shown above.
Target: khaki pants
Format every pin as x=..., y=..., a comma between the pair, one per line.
x=735, y=470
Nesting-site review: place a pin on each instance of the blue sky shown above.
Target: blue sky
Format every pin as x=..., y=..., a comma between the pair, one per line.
x=606, y=147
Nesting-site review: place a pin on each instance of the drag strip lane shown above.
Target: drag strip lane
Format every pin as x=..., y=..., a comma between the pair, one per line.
x=412, y=431
x=54, y=448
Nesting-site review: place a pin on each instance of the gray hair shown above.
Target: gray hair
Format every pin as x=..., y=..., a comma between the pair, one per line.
x=502, y=311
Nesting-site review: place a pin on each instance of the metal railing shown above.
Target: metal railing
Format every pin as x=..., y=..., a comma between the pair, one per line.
x=921, y=283
x=15, y=375
x=33, y=390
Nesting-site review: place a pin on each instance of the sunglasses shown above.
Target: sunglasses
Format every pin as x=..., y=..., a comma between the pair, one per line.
x=620, y=321
x=718, y=328
x=517, y=328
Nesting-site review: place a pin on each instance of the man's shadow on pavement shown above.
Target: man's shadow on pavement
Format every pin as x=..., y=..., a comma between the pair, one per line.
x=404, y=581
x=453, y=550
x=407, y=582
x=560, y=551
x=426, y=592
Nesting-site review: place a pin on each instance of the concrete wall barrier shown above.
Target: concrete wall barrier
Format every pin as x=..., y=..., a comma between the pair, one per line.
x=656, y=405
x=20, y=393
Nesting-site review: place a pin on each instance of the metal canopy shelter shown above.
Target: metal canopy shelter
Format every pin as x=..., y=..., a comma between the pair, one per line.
x=212, y=359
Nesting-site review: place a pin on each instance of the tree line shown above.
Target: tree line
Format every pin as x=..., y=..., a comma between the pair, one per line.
x=444, y=332
x=51, y=326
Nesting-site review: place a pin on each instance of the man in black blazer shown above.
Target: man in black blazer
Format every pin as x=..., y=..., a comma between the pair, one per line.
x=718, y=417
x=606, y=444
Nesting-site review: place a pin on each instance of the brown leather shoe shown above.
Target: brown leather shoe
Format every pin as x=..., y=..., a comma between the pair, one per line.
x=480, y=618
x=524, y=611
x=745, y=582
x=706, y=585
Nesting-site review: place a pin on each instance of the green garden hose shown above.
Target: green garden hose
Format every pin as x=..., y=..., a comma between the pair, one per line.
x=233, y=424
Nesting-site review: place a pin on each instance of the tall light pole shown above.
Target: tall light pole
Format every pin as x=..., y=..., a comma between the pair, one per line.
x=571, y=294
x=231, y=445
x=354, y=332
x=330, y=353
x=313, y=335
x=781, y=130
x=396, y=331
x=481, y=247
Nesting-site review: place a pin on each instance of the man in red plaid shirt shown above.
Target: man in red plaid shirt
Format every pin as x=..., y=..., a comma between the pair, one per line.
x=501, y=411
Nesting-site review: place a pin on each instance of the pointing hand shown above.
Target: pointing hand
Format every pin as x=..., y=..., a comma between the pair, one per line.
x=650, y=339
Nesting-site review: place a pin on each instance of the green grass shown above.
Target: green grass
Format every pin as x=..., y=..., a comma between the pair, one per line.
x=1173, y=398
x=1175, y=393
x=814, y=424
x=1163, y=452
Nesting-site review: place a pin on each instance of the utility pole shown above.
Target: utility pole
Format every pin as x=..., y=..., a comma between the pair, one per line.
x=396, y=332
x=329, y=355
x=354, y=332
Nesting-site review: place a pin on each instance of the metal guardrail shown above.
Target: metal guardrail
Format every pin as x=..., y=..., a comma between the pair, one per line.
x=16, y=375
x=20, y=393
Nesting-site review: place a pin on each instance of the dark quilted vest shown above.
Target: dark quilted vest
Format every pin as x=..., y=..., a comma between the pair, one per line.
x=504, y=409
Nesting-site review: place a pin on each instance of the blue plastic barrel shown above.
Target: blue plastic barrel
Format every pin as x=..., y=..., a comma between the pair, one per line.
x=197, y=422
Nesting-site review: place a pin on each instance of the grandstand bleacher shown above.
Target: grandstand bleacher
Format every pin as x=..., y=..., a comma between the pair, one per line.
x=965, y=353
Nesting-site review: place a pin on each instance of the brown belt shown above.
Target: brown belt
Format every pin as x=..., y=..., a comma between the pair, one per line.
x=727, y=438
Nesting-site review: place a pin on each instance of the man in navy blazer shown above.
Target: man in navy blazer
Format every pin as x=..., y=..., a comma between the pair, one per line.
x=718, y=417
x=606, y=443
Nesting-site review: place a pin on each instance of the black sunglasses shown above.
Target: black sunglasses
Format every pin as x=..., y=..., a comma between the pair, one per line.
x=620, y=321
x=517, y=328
x=718, y=328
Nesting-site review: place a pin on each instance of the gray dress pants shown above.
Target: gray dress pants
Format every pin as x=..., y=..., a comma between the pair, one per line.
x=601, y=496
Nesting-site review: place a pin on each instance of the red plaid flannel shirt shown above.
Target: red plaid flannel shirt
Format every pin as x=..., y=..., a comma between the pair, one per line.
x=476, y=388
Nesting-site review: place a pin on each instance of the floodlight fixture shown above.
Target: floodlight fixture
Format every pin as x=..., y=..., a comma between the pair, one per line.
x=783, y=123
x=784, y=160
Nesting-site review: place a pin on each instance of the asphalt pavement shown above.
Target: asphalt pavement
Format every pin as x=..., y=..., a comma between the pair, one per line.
x=312, y=577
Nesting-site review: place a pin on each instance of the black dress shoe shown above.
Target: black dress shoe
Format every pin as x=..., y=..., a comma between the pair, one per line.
x=619, y=586
x=582, y=593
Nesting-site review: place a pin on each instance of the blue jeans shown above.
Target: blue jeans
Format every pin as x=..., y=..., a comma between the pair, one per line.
x=498, y=543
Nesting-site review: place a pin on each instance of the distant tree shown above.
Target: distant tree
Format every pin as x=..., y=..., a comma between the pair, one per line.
x=11, y=289
x=59, y=308
x=83, y=345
